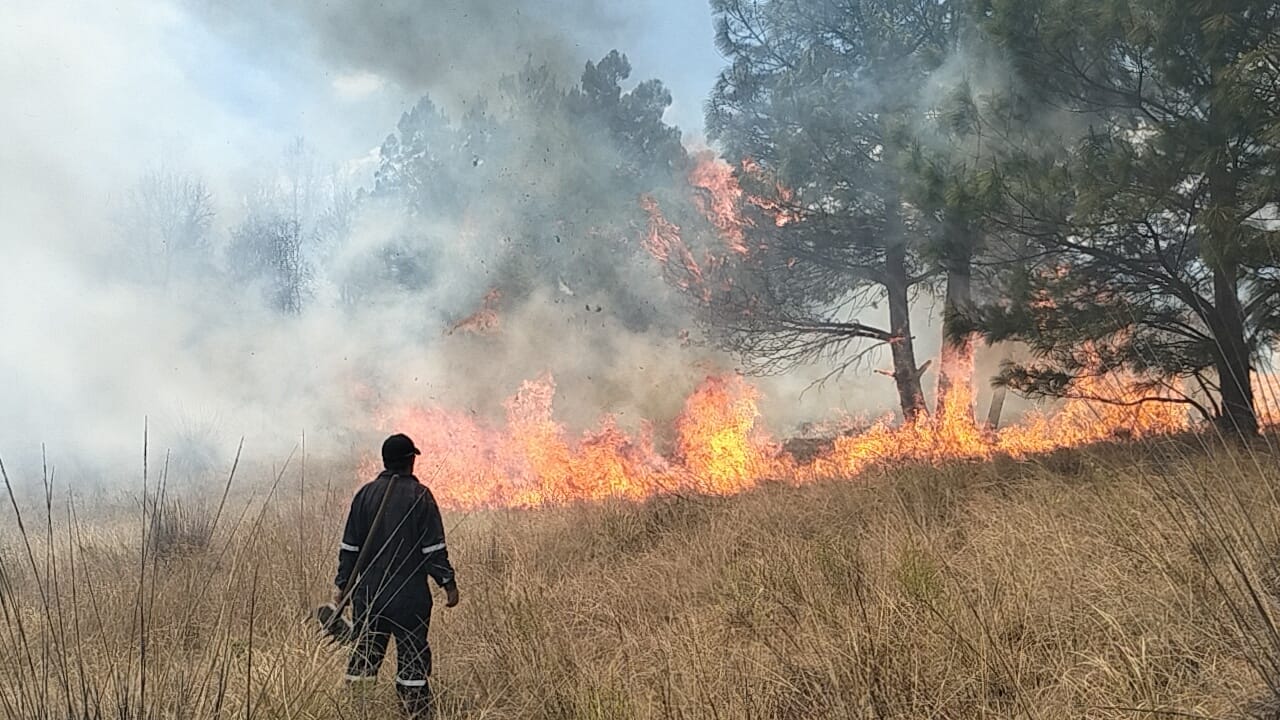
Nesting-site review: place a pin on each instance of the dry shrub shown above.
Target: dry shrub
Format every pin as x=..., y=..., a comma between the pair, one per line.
x=177, y=528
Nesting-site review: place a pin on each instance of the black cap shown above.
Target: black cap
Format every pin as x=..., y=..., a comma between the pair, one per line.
x=398, y=448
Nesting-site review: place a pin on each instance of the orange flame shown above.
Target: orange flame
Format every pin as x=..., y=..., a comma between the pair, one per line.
x=780, y=206
x=720, y=199
x=721, y=448
x=483, y=321
x=955, y=378
x=532, y=462
x=664, y=243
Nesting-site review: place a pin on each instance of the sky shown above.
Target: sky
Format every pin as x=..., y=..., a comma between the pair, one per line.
x=145, y=81
x=249, y=93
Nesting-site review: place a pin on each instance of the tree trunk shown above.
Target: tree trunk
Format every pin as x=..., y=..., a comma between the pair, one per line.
x=997, y=407
x=955, y=376
x=906, y=374
x=1232, y=358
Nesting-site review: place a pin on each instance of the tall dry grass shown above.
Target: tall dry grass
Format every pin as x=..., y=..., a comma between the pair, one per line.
x=1135, y=582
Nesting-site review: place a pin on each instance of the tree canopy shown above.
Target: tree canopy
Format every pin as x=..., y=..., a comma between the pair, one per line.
x=1107, y=170
x=1149, y=210
x=543, y=179
x=820, y=101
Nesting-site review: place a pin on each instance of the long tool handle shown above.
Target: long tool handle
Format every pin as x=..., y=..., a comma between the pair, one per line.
x=364, y=550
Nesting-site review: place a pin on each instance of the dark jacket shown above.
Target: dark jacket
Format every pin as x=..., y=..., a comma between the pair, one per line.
x=406, y=548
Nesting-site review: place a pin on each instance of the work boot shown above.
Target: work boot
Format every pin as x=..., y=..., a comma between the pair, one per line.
x=416, y=702
x=360, y=691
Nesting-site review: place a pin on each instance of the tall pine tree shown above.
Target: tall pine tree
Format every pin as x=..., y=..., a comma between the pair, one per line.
x=818, y=103
x=1149, y=227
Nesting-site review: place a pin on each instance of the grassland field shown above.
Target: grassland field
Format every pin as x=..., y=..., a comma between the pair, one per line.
x=1129, y=581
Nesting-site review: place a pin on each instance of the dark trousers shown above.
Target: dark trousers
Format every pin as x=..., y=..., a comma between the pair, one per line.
x=413, y=656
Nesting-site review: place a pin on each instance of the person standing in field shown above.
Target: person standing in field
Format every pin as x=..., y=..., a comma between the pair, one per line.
x=395, y=535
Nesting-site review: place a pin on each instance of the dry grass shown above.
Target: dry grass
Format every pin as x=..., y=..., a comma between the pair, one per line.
x=1133, y=583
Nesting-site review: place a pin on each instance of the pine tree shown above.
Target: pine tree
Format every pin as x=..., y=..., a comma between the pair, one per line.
x=818, y=104
x=1148, y=235
x=543, y=178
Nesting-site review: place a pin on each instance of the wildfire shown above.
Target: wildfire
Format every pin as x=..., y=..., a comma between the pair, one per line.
x=664, y=242
x=721, y=451
x=779, y=206
x=956, y=372
x=719, y=198
x=532, y=461
x=721, y=447
x=483, y=321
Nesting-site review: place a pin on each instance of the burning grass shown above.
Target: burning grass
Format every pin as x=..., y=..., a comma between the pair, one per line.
x=721, y=447
x=1117, y=582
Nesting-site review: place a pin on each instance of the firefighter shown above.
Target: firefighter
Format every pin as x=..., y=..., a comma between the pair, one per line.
x=395, y=531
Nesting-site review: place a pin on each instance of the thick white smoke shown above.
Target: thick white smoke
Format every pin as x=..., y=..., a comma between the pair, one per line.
x=104, y=96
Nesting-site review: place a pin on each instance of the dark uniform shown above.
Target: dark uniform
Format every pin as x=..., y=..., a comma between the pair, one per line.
x=392, y=597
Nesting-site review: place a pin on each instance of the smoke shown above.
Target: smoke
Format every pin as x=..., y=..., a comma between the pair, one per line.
x=122, y=304
x=449, y=47
x=117, y=314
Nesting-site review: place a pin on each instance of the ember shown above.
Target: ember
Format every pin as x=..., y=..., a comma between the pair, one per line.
x=483, y=321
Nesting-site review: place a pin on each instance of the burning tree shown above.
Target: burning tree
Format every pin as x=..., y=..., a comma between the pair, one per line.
x=819, y=101
x=1147, y=234
x=951, y=182
x=542, y=179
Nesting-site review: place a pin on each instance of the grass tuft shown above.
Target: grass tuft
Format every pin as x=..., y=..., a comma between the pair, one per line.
x=179, y=528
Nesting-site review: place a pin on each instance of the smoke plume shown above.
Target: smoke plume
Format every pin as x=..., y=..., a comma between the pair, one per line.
x=177, y=256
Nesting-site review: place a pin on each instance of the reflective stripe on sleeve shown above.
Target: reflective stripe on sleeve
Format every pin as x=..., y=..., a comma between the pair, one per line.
x=411, y=683
x=432, y=548
x=349, y=548
x=361, y=678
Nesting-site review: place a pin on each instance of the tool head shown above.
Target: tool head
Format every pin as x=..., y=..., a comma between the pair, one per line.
x=334, y=625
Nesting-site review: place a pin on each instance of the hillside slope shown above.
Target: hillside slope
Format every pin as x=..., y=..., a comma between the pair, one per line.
x=1114, y=583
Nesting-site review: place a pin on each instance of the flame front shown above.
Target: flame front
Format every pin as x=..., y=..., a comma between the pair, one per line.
x=721, y=447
